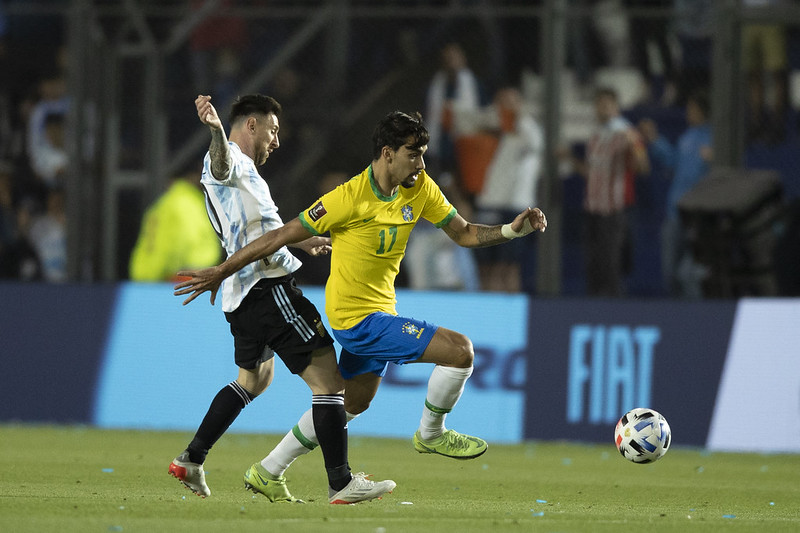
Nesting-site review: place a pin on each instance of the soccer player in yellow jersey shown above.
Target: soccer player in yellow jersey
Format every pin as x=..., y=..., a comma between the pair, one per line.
x=370, y=218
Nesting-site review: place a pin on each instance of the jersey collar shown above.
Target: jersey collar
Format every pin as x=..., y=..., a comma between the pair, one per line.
x=377, y=191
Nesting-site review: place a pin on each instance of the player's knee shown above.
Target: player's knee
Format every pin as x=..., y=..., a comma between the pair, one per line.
x=463, y=352
x=264, y=382
x=332, y=387
x=327, y=386
x=255, y=383
x=355, y=406
x=255, y=389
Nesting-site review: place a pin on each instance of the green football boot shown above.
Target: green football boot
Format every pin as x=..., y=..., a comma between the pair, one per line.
x=274, y=488
x=452, y=444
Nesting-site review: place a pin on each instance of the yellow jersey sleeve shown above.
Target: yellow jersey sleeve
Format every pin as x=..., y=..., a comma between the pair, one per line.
x=331, y=210
x=438, y=210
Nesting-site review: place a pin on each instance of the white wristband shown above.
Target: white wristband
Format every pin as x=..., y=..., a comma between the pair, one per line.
x=508, y=233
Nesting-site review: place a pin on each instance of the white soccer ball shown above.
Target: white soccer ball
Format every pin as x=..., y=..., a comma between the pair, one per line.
x=642, y=435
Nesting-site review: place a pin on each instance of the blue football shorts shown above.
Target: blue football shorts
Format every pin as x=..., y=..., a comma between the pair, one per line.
x=380, y=339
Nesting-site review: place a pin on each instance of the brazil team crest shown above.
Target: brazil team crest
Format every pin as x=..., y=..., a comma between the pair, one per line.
x=412, y=329
x=408, y=213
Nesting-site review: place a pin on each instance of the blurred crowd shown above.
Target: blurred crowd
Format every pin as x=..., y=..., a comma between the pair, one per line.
x=636, y=137
x=33, y=157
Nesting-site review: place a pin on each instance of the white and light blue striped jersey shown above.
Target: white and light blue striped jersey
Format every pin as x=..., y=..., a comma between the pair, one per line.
x=241, y=210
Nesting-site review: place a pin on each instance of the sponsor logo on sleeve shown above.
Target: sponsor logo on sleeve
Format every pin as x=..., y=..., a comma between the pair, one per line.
x=317, y=212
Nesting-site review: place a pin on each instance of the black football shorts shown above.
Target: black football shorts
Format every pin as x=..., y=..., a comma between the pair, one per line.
x=275, y=317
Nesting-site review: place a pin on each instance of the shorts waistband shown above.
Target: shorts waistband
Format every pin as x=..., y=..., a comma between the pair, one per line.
x=271, y=282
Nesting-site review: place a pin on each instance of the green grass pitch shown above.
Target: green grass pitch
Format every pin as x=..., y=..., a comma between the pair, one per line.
x=66, y=479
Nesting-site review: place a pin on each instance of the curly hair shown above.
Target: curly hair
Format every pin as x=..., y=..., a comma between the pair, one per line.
x=395, y=129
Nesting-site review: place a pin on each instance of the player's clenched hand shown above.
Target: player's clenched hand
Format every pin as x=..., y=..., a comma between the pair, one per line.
x=200, y=281
x=208, y=115
x=529, y=221
x=537, y=219
x=315, y=245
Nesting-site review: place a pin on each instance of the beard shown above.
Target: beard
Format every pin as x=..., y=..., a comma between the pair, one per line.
x=409, y=182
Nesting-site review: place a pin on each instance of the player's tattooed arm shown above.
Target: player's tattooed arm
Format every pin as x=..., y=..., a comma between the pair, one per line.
x=472, y=235
x=489, y=235
x=219, y=151
x=220, y=154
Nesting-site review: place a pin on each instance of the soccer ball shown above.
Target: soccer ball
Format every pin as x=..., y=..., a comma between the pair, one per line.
x=642, y=435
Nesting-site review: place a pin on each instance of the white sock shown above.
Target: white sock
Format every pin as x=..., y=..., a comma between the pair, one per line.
x=299, y=441
x=444, y=389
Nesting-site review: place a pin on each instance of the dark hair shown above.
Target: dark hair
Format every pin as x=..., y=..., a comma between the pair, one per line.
x=253, y=104
x=395, y=129
x=601, y=92
x=700, y=97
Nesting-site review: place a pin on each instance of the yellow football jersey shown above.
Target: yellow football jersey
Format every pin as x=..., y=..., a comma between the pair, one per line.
x=369, y=233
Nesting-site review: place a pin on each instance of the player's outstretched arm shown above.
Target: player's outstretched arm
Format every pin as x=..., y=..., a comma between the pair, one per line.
x=218, y=151
x=472, y=235
x=209, y=279
x=315, y=245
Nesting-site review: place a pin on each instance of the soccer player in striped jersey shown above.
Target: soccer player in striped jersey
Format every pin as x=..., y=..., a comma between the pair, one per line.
x=370, y=218
x=267, y=313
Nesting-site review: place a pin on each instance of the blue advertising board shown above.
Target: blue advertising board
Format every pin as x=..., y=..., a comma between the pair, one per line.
x=131, y=356
x=164, y=363
x=590, y=361
x=53, y=340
